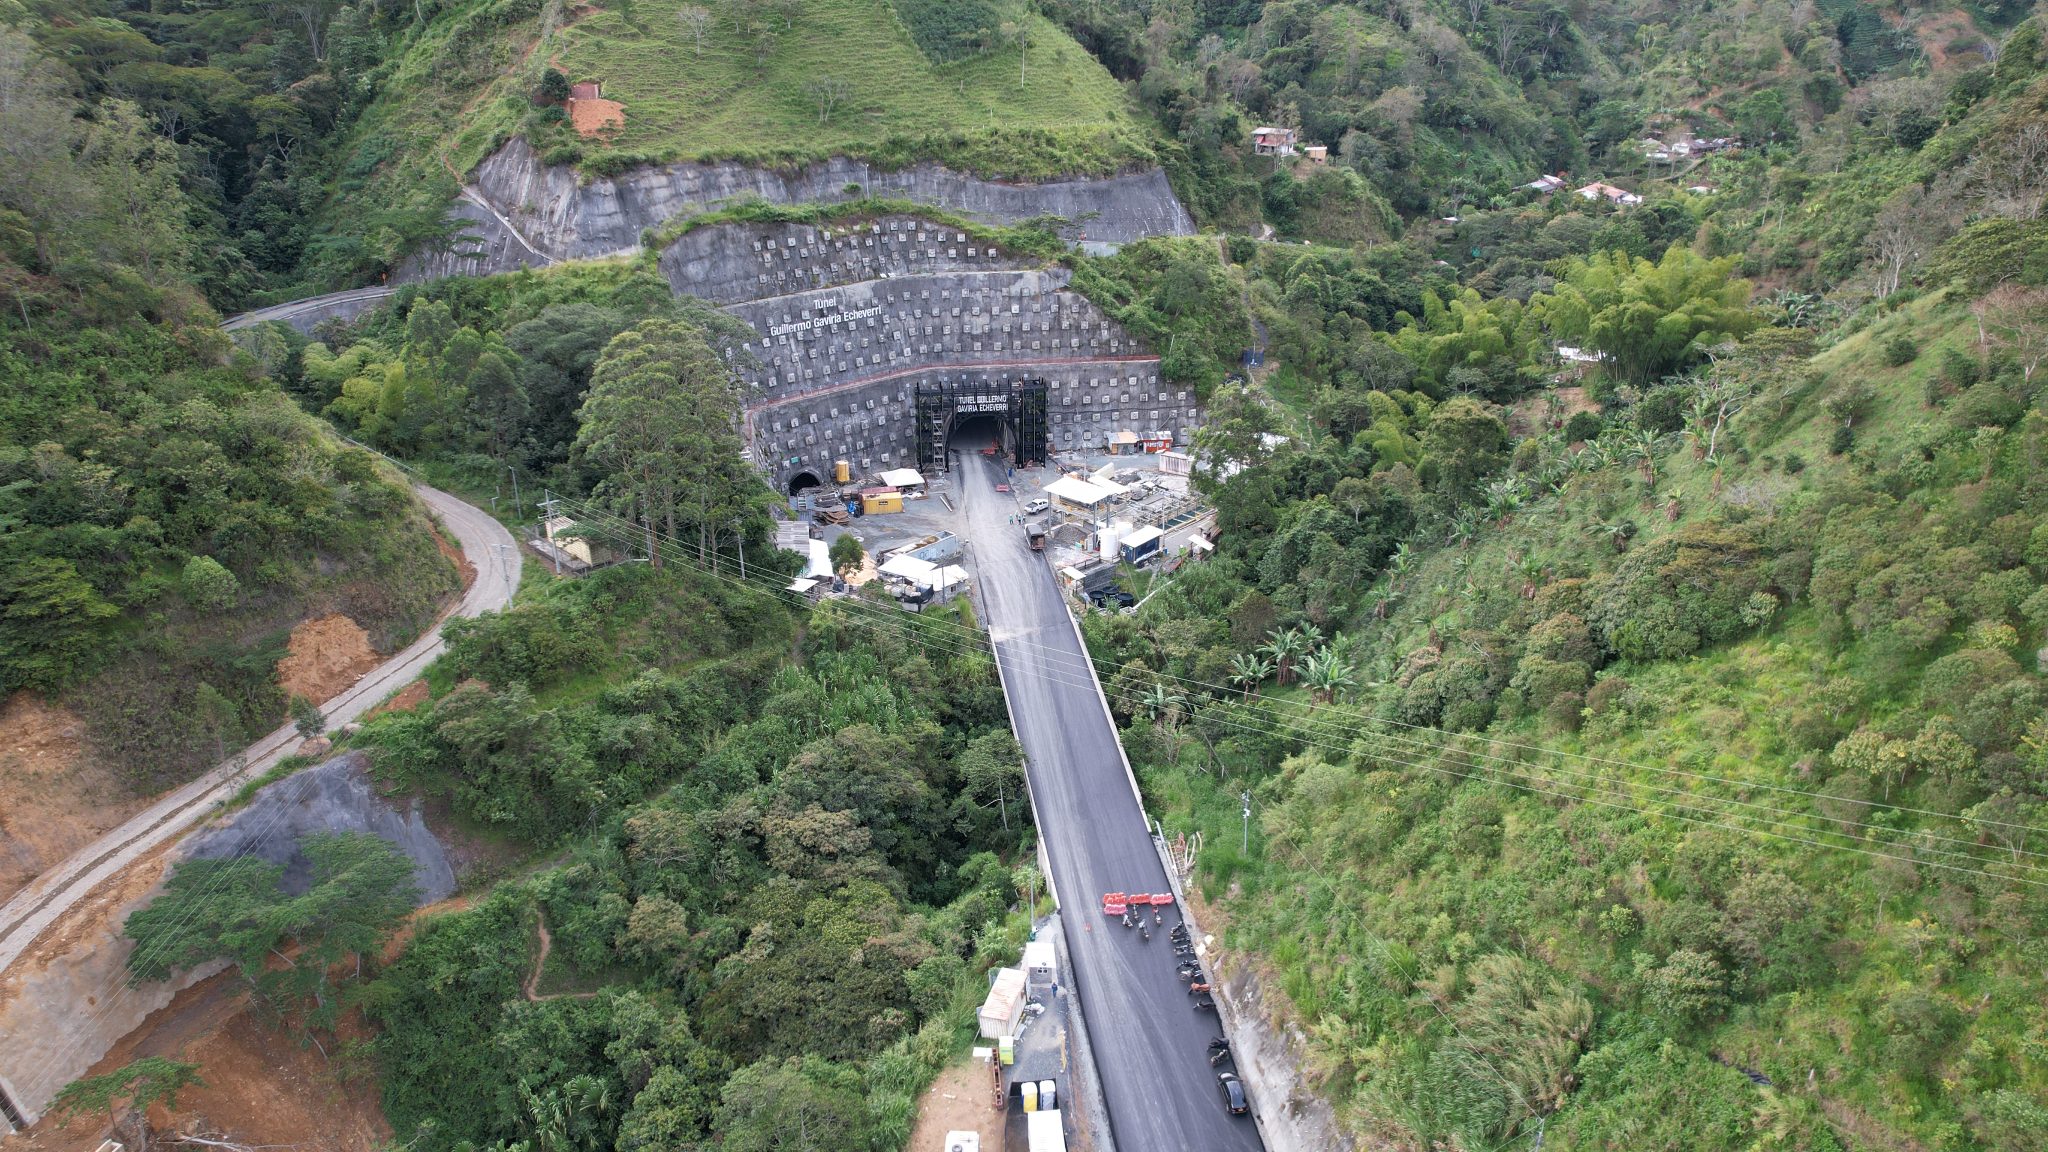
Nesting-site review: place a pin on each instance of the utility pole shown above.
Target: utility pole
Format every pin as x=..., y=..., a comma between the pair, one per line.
x=1245, y=846
x=517, y=502
x=548, y=509
x=739, y=534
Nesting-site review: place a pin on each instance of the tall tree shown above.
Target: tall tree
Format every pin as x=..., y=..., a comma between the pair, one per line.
x=661, y=420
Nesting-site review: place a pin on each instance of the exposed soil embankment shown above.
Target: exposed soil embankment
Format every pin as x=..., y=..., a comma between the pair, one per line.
x=68, y=999
x=55, y=797
x=325, y=656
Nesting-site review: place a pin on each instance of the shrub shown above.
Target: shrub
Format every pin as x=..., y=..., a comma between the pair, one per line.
x=1687, y=988
x=1900, y=350
x=553, y=87
x=1582, y=426
x=208, y=586
x=1680, y=592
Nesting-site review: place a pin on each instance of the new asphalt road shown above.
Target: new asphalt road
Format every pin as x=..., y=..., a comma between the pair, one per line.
x=1150, y=1042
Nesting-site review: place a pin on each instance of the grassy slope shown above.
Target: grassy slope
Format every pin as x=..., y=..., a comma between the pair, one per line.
x=681, y=103
x=1903, y=946
x=460, y=89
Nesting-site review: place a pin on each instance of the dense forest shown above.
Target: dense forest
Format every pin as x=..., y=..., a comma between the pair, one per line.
x=783, y=870
x=1645, y=743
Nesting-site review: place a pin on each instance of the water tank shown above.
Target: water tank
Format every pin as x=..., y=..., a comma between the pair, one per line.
x=842, y=471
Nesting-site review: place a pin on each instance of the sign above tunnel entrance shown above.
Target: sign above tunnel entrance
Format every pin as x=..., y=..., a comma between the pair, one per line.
x=1021, y=405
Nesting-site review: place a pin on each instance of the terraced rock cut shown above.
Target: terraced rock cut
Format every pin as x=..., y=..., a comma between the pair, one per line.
x=851, y=319
x=521, y=212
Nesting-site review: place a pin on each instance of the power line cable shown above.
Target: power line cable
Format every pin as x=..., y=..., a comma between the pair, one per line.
x=1778, y=817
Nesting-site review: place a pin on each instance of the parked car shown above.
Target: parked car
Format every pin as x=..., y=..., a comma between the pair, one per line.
x=1034, y=507
x=1234, y=1101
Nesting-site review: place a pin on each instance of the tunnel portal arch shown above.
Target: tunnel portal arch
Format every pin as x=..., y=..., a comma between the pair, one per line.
x=1019, y=407
x=804, y=478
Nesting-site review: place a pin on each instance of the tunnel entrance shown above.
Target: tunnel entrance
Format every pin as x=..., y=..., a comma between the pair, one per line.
x=972, y=432
x=802, y=480
x=962, y=416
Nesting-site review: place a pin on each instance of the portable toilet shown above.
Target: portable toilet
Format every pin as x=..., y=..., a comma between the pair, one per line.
x=1046, y=1095
x=1030, y=1090
x=1006, y=1050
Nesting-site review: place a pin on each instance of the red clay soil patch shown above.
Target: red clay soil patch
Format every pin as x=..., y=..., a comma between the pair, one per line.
x=395, y=946
x=54, y=797
x=958, y=1101
x=262, y=1088
x=598, y=117
x=404, y=700
x=455, y=557
x=325, y=657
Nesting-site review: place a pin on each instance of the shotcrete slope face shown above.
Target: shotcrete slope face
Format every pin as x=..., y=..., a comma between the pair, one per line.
x=849, y=319
x=557, y=216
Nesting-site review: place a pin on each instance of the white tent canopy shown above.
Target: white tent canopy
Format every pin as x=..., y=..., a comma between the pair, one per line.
x=821, y=560
x=1081, y=492
x=908, y=567
x=902, y=478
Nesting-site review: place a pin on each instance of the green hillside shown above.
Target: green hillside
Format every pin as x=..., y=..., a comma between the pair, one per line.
x=828, y=77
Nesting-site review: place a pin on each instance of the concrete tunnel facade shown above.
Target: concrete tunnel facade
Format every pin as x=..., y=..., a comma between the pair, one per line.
x=850, y=319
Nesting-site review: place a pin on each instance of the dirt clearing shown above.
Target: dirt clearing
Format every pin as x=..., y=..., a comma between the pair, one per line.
x=1549, y=408
x=262, y=1087
x=404, y=700
x=597, y=117
x=325, y=657
x=54, y=797
x=958, y=1101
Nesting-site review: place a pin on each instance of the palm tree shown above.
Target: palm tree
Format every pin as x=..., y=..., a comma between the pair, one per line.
x=1504, y=497
x=1464, y=527
x=1672, y=508
x=1640, y=446
x=1531, y=570
x=1248, y=671
x=1593, y=457
x=1326, y=674
x=1165, y=706
x=1402, y=560
x=1285, y=647
x=1617, y=533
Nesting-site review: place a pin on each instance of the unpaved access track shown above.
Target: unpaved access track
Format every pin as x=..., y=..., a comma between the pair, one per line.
x=33, y=910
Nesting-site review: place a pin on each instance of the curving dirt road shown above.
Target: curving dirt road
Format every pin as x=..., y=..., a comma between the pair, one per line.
x=485, y=543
